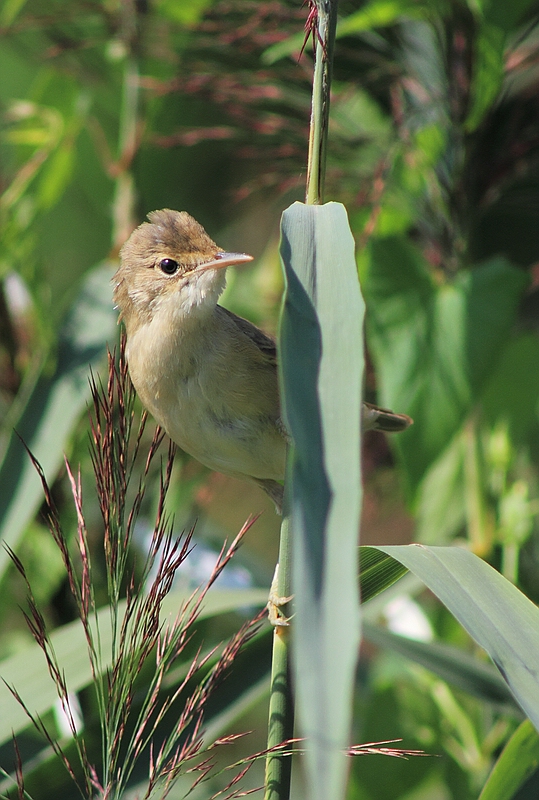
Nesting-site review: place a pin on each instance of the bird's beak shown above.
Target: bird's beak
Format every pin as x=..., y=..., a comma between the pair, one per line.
x=222, y=260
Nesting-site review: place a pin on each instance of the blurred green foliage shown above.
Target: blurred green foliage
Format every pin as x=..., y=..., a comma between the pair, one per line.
x=111, y=109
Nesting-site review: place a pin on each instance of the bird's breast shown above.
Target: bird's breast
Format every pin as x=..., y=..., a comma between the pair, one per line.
x=214, y=395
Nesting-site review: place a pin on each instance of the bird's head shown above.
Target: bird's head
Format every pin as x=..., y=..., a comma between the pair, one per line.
x=170, y=263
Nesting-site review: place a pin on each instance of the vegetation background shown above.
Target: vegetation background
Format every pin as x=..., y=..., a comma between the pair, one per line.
x=113, y=109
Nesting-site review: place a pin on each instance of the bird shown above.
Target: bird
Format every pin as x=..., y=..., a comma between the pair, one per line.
x=208, y=376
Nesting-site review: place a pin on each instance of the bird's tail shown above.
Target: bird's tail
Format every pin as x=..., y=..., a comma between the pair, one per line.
x=275, y=490
x=382, y=419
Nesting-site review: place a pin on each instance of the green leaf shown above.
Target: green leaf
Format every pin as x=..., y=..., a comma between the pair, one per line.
x=489, y=68
x=378, y=13
x=322, y=371
x=513, y=390
x=10, y=10
x=377, y=572
x=186, y=12
x=450, y=663
x=56, y=175
x=494, y=612
x=27, y=671
x=441, y=498
x=495, y=20
x=510, y=399
x=519, y=760
x=434, y=346
x=54, y=407
x=503, y=14
x=283, y=49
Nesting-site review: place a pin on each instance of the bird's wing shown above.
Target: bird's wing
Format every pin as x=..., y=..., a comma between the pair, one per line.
x=265, y=343
x=374, y=417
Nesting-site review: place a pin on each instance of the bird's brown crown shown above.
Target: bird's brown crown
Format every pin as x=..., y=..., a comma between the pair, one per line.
x=173, y=234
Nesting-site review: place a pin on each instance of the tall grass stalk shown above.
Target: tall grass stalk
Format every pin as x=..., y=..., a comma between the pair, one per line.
x=141, y=636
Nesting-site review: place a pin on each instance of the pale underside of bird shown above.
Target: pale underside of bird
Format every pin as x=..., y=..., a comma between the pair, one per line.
x=209, y=377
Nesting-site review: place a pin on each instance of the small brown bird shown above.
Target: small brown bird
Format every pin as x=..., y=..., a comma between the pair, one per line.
x=207, y=376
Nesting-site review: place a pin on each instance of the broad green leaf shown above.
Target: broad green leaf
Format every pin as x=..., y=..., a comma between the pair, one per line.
x=519, y=760
x=377, y=572
x=54, y=407
x=27, y=671
x=494, y=612
x=322, y=372
x=453, y=665
x=434, y=346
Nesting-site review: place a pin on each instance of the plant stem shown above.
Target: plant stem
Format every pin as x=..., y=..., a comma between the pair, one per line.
x=479, y=531
x=510, y=554
x=124, y=194
x=281, y=710
x=130, y=33
x=326, y=25
x=122, y=225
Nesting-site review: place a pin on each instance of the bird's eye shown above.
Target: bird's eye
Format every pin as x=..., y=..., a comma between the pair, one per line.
x=168, y=266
